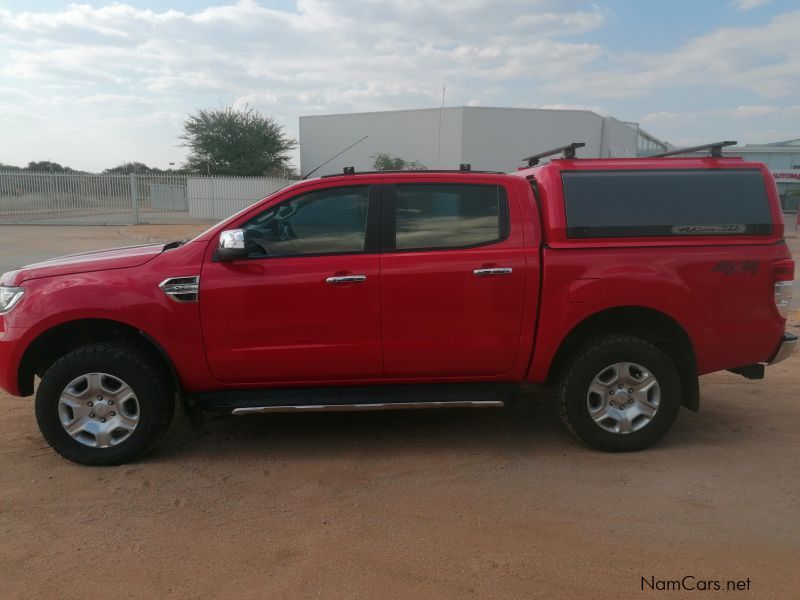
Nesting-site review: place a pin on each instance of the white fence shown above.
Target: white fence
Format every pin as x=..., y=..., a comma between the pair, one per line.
x=214, y=198
x=86, y=199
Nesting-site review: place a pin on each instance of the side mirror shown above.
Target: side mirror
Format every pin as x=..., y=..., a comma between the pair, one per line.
x=232, y=245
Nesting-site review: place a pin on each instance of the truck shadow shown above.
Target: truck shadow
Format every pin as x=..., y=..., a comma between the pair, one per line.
x=530, y=422
x=528, y=426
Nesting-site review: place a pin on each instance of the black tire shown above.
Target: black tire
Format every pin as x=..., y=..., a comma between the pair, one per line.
x=128, y=363
x=591, y=360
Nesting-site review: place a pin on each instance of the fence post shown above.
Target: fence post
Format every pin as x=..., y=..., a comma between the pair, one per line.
x=213, y=202
x=135, y=198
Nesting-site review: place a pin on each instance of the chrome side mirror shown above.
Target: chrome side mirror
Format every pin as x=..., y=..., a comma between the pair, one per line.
x=232, y=245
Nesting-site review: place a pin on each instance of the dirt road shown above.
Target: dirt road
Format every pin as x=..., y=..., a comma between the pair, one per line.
x=447, y=504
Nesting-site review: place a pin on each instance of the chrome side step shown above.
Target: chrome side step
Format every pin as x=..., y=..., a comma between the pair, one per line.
x=250, y=410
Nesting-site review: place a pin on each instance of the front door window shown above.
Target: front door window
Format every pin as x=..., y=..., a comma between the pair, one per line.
x=332, y=221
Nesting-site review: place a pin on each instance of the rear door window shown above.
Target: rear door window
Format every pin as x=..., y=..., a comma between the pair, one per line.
x=443, y=215
x=666, y=203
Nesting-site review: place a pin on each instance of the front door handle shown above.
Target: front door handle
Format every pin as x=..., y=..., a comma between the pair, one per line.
x=346, y=279
x=493, y=271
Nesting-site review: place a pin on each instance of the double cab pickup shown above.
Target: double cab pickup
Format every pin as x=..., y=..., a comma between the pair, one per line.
x=618, y=281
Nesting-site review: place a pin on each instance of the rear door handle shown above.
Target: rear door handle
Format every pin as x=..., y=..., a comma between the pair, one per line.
x=493, y=271
x=346, y=279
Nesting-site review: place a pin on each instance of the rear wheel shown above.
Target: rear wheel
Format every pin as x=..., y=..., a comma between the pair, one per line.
x=620, y=393
x=103, y=404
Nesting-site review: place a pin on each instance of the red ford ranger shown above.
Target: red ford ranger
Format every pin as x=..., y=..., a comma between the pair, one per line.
x=619, y=280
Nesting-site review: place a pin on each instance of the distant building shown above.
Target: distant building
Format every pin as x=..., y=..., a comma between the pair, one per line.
x=783, y=159
x=494, y=139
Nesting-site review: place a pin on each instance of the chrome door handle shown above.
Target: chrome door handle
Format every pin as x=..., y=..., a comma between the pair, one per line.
x=346, y=279
x=493, y=271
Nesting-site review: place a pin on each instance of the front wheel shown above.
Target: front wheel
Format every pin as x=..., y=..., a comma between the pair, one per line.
x=620, y=393
x=103, y=404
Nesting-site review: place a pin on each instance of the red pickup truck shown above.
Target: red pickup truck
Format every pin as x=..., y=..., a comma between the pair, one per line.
x=618, y=280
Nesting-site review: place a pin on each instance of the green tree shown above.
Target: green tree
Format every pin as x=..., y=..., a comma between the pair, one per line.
x=383, y=161
x=132, y=167
x=46, y=166
x=229, y=141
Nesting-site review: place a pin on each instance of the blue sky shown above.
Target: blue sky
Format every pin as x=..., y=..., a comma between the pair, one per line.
x=93, y=84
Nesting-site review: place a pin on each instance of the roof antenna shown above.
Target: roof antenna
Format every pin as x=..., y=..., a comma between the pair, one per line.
x=307, y=175
x=439, y=138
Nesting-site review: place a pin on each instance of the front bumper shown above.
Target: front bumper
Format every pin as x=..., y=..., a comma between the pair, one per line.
x=786, y=347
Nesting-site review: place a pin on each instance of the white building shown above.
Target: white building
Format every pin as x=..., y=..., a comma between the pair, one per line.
x=494, y=139
x=783, y=159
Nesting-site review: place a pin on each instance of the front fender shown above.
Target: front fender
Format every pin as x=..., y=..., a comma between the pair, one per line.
x=130, y=296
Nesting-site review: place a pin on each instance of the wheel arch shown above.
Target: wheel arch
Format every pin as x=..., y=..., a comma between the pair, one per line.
x=646, y=323
x=64, y=337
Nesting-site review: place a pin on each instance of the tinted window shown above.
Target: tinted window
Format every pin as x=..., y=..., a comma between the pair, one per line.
x=666, y=203
x=320, y=222
x=448, y=216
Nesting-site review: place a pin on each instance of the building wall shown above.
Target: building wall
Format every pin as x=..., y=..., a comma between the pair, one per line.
x=487, y=138
x=783, y=162
x=783, y=159
x=497, y=139
x=776, y=161
x=409, y=134
x=618, y=140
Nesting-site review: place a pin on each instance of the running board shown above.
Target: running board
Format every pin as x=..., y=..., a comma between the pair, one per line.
x=357, y=398
x=365, y=407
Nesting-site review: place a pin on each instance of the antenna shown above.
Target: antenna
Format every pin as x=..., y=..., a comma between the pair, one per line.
x=306, y=176
x=568, y=150
x=714, y=149
x=439, y=138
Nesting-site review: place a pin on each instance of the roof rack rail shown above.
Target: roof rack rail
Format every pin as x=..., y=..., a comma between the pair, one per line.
x=714, y=149
x=568, y=150
x=347, y=171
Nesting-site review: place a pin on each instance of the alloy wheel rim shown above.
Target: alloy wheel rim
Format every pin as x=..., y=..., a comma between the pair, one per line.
x=98, y=410
x=623, y=398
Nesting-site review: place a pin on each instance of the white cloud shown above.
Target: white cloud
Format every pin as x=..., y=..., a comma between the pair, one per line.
x=88, y=63
x=113, y=101
x=749, y=4
x=745, y=123
x=14, y=94
x=761, y=59
x=746, y=112
x=555, y=23
x=656, y=117
x=738, y=112
x=122, y=66
x=565, y=106
x=755, y=111
x=242, y=47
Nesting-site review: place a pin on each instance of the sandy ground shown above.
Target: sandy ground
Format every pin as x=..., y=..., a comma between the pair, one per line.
x=439, y=504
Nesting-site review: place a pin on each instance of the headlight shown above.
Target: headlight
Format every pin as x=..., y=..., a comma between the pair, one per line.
x=9, y=296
